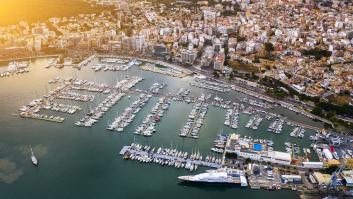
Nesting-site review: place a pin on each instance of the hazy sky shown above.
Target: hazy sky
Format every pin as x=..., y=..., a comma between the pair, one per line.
x=12, y=11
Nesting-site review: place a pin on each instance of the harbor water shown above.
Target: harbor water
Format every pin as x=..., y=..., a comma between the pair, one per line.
x=84, y=162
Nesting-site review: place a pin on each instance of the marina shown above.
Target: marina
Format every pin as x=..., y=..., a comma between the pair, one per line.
x=95, y=92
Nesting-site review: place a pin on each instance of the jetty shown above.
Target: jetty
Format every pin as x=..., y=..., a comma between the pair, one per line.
x=154, y=155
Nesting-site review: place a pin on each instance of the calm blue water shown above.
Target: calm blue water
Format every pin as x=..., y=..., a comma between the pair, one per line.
x=78, y=162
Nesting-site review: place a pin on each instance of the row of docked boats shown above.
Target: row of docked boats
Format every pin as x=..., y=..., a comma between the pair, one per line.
x=211, y=85
x=292, y=148
x=54, y=80
x=219, y=102
x=129, y=113
x=64, y=108
x=276, y=126
x=254, y=122
x=232, y=117
x=113, y=64
x=195, y=120
x=163, y=70
x=84, y=85
x=148, y=124
x=219, y=144
x=32, y=109
x=127, y=83
x=298, y=132
x=69, y=95
x=154, y=89
x=169, y=156
x=93, y=116
x=256, y=103
x=45, y=117
x=113, y=60
x=183, y=92
x=85, y=62
x=16, y=67
x=52, y=62
x=182, y=95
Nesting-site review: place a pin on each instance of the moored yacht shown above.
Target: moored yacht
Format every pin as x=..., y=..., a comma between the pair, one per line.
x=223, y=175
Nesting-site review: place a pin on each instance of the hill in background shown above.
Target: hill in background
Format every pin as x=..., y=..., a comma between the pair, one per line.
x=14, y=11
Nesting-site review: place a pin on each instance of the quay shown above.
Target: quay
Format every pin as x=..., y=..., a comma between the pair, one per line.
x=30, y=57
x=128, y=149
x=157, y=62
x=43, y=117
x=164, y=71
x=303, y=125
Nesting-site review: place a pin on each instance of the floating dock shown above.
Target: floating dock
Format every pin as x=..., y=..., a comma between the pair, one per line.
x=128, y=149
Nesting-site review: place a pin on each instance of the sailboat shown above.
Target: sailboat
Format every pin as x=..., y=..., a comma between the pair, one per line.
x=33, y=158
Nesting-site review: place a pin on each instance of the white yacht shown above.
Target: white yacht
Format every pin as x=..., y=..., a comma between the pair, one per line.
x=33, y=158
x=223, y=175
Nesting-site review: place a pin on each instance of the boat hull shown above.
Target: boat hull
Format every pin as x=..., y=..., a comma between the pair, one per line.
x=188, y=182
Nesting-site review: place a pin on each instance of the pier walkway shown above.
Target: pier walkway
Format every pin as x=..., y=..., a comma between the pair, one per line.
x=128, y=149
x=304, y=125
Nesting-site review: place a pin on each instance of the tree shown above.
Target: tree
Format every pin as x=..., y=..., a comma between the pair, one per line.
x=329, y=170
x=215, y=73
x=269, y=47
x=317, y=53
x=240, y=39
x=231, y=76
x=317, y=111
x=231, y=155
x=226, y=50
